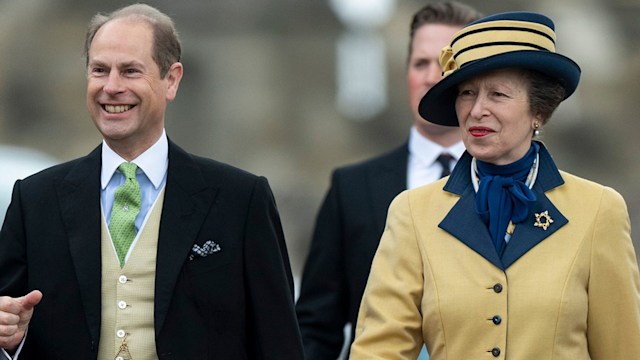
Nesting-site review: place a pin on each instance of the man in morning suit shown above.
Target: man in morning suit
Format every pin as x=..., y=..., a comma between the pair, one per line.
x=185, y=260
x=352, y=217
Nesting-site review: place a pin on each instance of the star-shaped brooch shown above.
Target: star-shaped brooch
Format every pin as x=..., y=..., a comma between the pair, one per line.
x=543, y=220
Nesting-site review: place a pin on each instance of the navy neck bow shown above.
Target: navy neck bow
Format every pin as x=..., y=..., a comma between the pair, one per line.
x=504, y=196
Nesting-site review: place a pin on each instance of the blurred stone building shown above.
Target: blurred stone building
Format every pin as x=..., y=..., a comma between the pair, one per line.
x=262, y=89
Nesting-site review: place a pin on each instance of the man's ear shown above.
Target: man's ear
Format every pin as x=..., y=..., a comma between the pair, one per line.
x=174, y=75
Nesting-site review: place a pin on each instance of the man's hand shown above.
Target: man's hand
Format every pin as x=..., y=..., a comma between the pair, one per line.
x=15, y=314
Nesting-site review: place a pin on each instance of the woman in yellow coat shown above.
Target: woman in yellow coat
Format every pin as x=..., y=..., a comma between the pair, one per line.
x=509, y=257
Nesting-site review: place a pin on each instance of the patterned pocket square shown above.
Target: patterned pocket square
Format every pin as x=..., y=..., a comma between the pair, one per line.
x=208, y=248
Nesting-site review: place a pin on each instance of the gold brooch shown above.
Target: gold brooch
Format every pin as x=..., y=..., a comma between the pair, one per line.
x=543, y=220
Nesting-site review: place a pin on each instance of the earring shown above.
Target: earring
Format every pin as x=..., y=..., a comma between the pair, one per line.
x=536, y=132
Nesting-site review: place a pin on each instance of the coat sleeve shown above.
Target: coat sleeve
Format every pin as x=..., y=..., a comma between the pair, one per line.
x=389, y=321
x=271, y=313
x=614, y=285
x=322, y=307
x=13, y=259
x=13, y=265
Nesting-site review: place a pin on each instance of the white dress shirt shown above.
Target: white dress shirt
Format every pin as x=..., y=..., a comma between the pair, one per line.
x=423, y=167
x=151, y=175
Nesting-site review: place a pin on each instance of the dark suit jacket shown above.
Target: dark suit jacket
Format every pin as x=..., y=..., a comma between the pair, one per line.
x=234, y=304
x=347, y=231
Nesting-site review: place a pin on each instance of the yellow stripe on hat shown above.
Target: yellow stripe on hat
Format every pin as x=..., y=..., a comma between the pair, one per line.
x=490, y=38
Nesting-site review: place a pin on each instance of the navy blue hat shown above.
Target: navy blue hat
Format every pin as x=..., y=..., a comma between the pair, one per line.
x=507, y=40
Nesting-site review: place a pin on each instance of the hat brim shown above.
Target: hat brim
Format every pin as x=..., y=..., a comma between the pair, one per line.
x=438, y=105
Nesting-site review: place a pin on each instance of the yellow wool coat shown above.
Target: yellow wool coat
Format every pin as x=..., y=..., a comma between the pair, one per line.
x=569, y=292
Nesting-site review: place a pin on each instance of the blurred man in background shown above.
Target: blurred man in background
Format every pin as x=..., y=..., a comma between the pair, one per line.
x=352, y=217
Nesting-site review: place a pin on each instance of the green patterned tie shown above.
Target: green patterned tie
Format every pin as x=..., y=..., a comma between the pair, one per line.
x=126, y=206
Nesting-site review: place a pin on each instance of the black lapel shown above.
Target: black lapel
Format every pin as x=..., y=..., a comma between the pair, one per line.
x=79, y=195
x=387, y=180
x=187, y=202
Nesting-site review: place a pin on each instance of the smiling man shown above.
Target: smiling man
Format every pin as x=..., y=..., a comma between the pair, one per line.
x=140, y=250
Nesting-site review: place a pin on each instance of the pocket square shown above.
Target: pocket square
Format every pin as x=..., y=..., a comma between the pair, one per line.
x=209, y=247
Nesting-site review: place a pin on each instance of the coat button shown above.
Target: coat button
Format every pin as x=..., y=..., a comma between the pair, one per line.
x=497, y=319
x=495, y=351
x=497, y=288
x=122, y=279
x=120, y=333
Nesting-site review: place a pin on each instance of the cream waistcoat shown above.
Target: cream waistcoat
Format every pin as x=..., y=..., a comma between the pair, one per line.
x=127, y=328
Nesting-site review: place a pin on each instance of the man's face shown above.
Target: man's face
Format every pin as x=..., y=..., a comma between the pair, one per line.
x=126, y=96
x=424, y=69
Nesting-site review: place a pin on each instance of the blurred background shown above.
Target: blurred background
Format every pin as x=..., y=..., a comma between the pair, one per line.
x=290, y=89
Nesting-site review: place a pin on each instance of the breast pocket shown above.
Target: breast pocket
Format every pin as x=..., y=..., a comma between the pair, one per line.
x=197, y=265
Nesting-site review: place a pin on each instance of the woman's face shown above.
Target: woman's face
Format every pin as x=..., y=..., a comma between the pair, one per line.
x=494, y=116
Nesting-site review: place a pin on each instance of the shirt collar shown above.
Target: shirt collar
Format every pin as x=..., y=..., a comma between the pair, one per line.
x=427, y=151
x=153, y=162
